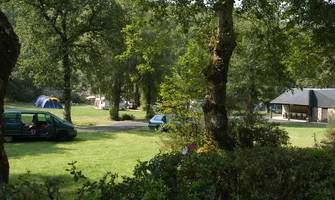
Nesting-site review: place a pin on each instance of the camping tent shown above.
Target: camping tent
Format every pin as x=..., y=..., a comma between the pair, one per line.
x=90, y=98
x=48, y=102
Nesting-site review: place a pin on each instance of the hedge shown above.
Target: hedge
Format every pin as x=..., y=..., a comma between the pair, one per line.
x=260, y=173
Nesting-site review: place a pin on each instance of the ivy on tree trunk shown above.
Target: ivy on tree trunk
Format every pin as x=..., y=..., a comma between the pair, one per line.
x=9, y=52
x=221, y=46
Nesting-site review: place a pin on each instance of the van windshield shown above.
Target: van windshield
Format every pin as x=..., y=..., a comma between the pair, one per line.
x=57, y=119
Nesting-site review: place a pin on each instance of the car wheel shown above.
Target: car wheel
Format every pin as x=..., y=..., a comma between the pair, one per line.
x=63, y=136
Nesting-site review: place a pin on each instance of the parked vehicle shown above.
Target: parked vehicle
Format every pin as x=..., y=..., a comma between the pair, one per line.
x=161, y=121
x=102, y=103
x=37, y=124
x=157, y=121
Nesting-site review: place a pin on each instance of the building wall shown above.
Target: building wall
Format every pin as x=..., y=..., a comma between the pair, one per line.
x=331, y=114
x=316, y=114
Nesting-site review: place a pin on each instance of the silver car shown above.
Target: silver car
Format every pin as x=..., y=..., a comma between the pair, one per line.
x=157, y=121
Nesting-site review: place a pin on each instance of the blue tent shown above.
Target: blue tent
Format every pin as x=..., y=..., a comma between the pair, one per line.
x=48, y=102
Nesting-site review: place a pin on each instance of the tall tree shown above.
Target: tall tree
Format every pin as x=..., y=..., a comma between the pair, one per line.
x=9, y=52
x=151, y=46
x=312, y=25
x=112, y=75
x=222, y=43
x=185, y=82
x=258, y=73
x=56, y=33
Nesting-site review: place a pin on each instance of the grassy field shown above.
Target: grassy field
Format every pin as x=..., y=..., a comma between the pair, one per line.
x=304, y=135
x=82, y=115
x=95, y=152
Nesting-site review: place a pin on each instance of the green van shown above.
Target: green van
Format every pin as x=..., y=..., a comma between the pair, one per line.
x=37, y=124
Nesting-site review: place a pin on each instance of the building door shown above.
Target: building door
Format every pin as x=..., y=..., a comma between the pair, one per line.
x=324, y=115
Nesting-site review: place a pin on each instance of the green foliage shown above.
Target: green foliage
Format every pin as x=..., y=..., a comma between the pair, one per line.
x=261, y=133
x=127, y=116
x=30, y=189
x=311, y=52
x=255, y=174
x=257, y=73
x=330, y=131
x=21, y=88
x=259, y=173
x=185, y=83
x=114, y=113
x=188, y=127
x=183, y=129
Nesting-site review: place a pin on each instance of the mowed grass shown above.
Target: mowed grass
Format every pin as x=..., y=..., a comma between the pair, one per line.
x=96, y=153
x=82, y=114
x=303, y=135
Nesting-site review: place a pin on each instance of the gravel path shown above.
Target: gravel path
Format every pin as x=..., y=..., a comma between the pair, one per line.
x=128, y=125
x=118, y=126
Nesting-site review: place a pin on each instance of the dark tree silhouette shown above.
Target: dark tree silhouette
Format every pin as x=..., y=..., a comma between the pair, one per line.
x=9, y=52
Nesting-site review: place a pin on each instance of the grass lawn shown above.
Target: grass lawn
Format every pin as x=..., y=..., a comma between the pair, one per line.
x=95, y=153
x=303, y=135
x=82, y=115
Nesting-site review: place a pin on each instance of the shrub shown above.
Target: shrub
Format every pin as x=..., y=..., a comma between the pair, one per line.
x=127, y=117
x=330, y=131
x=260, y=173
x=29, y=189
x=260, y=133
x=253, y=174
x=183, y=130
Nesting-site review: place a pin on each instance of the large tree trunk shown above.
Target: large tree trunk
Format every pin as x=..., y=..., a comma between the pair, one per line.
x=115, y=109
x=67, y=71
x=250, y=118
x=9, y=51
x=222, y=46
x=148, y=95
x=67, y=88
x=137, y=96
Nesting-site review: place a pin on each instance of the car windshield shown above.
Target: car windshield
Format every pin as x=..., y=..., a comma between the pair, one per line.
x=159, y=117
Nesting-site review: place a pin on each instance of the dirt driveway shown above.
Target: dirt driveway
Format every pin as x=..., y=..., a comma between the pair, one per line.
x=128, y=125
x=118, y=126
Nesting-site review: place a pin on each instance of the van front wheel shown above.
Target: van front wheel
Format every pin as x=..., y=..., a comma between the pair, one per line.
x=63, y=136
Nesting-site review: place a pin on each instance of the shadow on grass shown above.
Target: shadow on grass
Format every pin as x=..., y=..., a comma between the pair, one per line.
x=144, y=131
x=21, y=148
x=38, y=147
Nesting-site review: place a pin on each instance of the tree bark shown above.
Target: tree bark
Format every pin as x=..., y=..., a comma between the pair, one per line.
x=67, y=70
x=9, y=52
x=148, y=95
x=67, y=87
x=221, y=46
x=250, y=118
x=115, y=109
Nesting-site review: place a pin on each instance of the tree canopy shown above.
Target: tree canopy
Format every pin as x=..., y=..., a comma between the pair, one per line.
x=59, y=38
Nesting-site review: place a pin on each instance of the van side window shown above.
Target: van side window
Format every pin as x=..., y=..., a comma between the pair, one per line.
x=27, y=119
x=12, y=118
x=42, y=118
x=48, y=119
